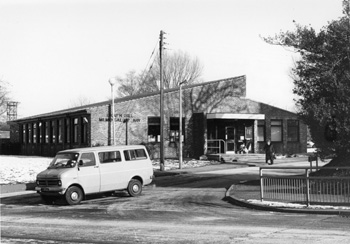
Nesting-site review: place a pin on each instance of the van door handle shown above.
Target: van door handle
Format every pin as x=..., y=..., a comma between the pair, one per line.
x=96, y=167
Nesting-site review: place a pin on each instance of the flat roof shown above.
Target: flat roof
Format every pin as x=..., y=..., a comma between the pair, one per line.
x=235, y=116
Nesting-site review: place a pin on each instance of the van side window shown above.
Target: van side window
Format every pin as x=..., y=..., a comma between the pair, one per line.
x=134, y=154
x=88, y=159
x=109, y=157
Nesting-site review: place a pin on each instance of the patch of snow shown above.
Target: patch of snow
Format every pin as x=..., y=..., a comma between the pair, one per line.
x=294, y=205
x=23, y=169
x=171, y=164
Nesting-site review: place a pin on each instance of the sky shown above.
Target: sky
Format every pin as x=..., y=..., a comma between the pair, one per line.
x=56, y=52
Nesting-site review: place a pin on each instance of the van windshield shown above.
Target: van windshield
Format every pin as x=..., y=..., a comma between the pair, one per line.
x=64, y=160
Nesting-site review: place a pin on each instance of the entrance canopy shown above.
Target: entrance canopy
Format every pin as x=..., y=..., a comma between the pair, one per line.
x=236, y=116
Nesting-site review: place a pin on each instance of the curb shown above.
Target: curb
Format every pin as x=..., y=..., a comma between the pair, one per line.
x=243, y=203
x=167, y=173
x=16, y=188
x=17, y=193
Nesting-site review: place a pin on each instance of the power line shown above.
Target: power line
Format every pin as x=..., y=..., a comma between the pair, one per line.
x=150, y=58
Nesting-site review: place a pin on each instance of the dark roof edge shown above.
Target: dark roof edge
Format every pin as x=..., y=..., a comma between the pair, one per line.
x=123, y=99
x=295, y=113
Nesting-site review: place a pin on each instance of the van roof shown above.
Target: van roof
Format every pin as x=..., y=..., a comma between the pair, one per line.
x=103, y=148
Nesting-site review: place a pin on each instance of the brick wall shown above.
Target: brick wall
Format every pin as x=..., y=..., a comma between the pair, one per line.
x=223, y=96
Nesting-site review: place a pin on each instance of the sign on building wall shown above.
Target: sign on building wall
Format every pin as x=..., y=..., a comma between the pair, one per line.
x=121, y=118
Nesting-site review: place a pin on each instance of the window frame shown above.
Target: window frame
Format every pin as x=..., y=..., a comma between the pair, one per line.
x=108, y=160
x=53, y=133
x=84, y=130
x=24, y=133
x=174, y=129
x=276, y=126
x=47, y=132
x=35, y=133
x=261, y=126
x=75, y=130
x=67, y=137
x=59, y=131
x=132, y=154
x=290, y=127
x=30, y=133
x=91, y=163
x=155, y=123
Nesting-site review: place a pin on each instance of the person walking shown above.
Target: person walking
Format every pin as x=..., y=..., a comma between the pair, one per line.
x=269, y=152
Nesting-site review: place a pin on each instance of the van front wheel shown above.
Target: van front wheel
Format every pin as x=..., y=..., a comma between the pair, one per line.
x=134, y=188
x=74, y=195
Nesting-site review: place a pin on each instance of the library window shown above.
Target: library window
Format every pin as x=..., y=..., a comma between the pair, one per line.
x=75, y=130
x=35, y=132
x=276, y=130
x=47, y=130
x=30, y=133
x=84, y=123
x=40, y=132
x=293, y=130
x=175, y=129
x=60, y=131
x=261, y=130
x=24, y=134
x=52, y=132
x=67, y=135
x=153, y=129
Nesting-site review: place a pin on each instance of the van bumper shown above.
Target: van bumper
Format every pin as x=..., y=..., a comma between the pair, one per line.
x=52, y=190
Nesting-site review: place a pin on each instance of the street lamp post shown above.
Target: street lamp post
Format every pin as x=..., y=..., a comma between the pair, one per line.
x=180, y=123
x=112, y=83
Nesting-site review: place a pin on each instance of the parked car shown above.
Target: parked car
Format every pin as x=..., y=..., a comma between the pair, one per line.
x=75, y=173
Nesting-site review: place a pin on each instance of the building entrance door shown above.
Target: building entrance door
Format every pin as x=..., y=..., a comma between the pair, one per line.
x=230, y=135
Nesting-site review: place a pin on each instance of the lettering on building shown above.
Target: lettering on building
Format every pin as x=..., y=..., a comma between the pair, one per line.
x=123, y=118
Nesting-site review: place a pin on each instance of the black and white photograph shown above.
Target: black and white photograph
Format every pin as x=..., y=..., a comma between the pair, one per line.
x=173, y=121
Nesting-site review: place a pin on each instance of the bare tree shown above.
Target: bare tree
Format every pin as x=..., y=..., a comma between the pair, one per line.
x=80, y=101
x=177, y=67
x=3, y=98
x=129, y=85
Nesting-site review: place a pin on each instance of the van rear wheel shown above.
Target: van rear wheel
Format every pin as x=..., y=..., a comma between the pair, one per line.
x=134, y=188
x=74, y=195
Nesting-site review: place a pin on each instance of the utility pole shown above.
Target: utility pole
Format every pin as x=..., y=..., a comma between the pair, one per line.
x=180, y=123
x=112, y=82
x=161, y=149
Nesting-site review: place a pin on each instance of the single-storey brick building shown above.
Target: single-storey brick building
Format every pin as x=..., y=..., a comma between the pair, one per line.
x=216, y=118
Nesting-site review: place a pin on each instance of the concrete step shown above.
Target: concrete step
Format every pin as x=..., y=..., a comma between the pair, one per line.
x=230, y=158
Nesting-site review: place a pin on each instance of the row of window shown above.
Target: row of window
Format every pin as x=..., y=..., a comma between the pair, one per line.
x=174, y=132
x=113, y=156
x=277, y=130
x=65, y=130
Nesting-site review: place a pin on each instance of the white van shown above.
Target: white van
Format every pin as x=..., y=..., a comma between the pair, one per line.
x=75, y=173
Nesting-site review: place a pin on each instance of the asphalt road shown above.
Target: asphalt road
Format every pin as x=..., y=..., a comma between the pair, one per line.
x=188, y=208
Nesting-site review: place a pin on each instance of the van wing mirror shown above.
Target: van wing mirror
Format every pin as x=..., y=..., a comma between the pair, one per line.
x=81, y=163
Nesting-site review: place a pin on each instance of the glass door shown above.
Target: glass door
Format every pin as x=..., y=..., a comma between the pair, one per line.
x=230, y=135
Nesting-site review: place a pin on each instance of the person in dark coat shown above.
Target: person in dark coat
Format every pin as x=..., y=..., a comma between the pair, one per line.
x=269, y=152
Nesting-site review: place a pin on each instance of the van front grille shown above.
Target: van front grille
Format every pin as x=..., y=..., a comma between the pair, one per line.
x=47, y=182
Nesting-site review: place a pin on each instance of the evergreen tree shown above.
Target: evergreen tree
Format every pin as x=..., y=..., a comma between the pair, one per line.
x=322, y=81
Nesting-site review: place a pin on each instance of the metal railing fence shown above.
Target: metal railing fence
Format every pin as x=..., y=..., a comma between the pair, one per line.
x=214, y=146
x=304, y=188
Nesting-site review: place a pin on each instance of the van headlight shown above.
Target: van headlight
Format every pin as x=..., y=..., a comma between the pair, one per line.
x=59, y=183
x=37, y=182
